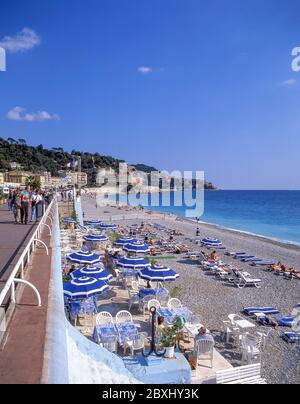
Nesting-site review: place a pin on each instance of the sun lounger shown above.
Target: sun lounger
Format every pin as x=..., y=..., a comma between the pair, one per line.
x=291, y=337
x=244, y=257
x=245, y=280
x=251, y=259
x=265, y=310
x=264, y=321
x=262, y=263
x=235, y=254
x=285, y=321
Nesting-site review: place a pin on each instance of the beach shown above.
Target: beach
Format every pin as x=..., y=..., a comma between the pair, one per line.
x=212, y=298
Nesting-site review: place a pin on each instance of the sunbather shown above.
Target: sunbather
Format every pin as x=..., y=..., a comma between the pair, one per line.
x=277, y=266
x=214, y=256
x=269, y=322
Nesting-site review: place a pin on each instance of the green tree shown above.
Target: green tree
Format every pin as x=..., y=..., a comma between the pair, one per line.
x=33, y=183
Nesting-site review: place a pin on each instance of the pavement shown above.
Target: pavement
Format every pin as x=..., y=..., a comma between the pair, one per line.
x=22, y=356
x=13, y=240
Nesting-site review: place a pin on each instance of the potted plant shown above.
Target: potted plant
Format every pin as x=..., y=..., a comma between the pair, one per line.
x=170, y=337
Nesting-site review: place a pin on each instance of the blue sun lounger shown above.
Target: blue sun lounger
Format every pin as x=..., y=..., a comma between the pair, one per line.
x=235, y=254
x=285, y=321
x=251, y=259
x=246, y=257
x=264, y=310
x=291, y=337
x=262, y=263
x=264, y=321
x=240, y=255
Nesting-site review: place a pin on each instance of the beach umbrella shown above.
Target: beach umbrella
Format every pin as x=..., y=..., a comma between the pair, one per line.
x=96, y=238
x=106, y=226
x=137, y=247
x=69, y=220
x=94, y=222
x=84, y=257
x=133, y=263
x=84, y=287
x=158, y=273
x=211, y=242
x=125, y=240
x=92, y=272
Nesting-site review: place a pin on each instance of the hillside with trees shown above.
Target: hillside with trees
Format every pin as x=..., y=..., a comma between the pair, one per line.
x=36, y=159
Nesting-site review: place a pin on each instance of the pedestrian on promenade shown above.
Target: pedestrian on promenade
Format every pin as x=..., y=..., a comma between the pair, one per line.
x=35, y=200
x=40, y=204
x=9, y=200
x=16, y=205
x=25, y=202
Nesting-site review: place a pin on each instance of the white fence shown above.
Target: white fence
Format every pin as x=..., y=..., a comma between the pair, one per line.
x=55, y=366
x=17, y=275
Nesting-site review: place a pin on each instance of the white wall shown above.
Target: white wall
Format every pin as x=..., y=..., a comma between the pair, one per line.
x=69, y=357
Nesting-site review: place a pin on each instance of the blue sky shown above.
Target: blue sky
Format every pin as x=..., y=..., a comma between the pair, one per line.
x=178, y=84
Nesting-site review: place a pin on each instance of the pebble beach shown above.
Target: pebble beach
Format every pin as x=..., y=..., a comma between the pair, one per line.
x=213, y=299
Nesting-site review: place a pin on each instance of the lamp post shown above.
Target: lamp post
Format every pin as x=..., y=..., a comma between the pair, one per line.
x=153, y=345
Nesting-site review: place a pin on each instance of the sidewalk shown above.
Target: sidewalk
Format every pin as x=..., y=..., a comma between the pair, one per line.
x=21, y=360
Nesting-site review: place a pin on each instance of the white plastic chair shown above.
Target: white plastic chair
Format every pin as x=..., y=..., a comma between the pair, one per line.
x=153, y=303
x=135, y=286
x=144, y=303
x=137, y=343
x=231, y=332
x=133, y=298
x=110, y=343
x=104, y=318
x=263, y=335
x=251, y=349
x=123, y=317
x=232, y=318
x=174, y=303
x=163, y=297
x=205, y=350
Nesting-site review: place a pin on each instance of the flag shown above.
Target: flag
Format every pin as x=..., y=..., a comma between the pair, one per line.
x=68, y=165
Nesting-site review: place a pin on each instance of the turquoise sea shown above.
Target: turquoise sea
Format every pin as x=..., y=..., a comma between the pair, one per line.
x=274, y=214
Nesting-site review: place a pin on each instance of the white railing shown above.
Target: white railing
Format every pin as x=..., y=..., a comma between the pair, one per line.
x=55, y=366
x=10, y=285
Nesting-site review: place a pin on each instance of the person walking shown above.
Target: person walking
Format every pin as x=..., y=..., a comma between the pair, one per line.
x=25, y=202
x=40, y=205
x=33, y=200
x=16, y=205
x=10, y=201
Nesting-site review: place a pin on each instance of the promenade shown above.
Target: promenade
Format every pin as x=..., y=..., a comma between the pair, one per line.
x=13, y=240
x=22, y=352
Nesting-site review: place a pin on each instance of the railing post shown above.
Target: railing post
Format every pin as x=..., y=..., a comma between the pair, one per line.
x=13, y=294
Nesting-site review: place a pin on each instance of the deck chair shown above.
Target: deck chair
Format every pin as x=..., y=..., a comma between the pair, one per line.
x=205, y=350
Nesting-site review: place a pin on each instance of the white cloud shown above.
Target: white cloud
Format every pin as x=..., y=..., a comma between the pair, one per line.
x=22, y=41
x=19, y=114
x=144, y=70
x=286, y=83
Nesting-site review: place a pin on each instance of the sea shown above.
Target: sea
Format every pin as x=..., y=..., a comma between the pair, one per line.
x=273, y=214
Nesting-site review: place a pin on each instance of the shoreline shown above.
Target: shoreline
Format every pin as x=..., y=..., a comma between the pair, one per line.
x=275, y=240
x=211, y=226
x=279, y=242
